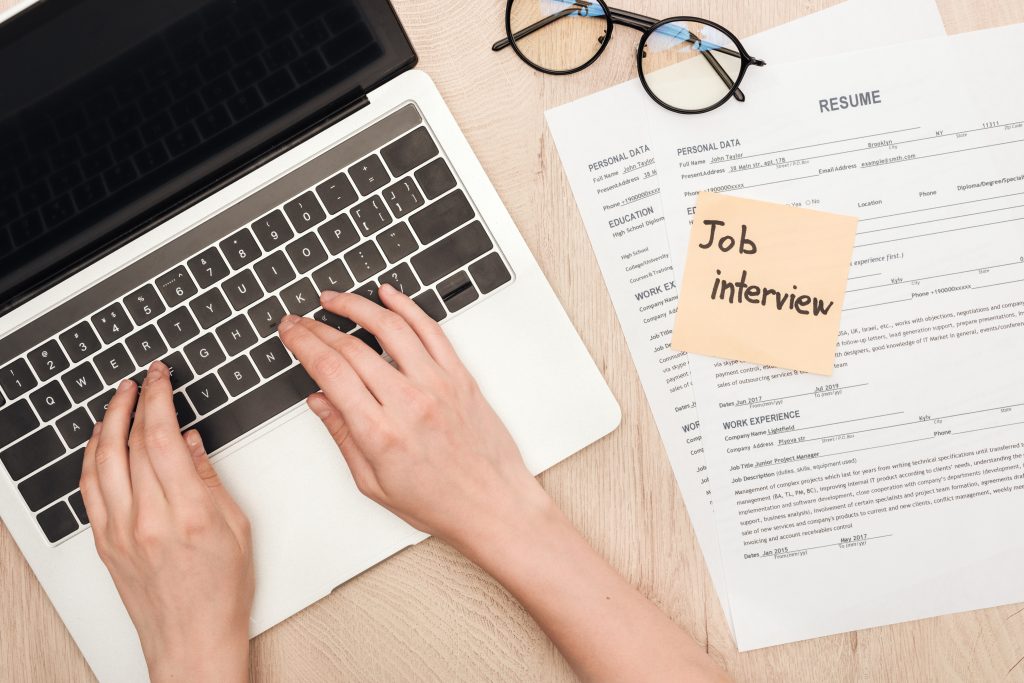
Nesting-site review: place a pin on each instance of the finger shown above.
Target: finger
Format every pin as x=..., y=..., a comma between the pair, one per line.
x=146, y=488
x=358, y=464
x=332, y=372
x=89, y=485
x=112, y=452
x=236, y=519
x=367, y=363
x=390, y=329
x=167, y=451
x=426, y=328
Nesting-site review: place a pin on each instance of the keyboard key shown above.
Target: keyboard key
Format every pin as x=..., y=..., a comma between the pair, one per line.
x=365, y=261
x=339, y=234
x=274, y=271
x=48, y=360
x=80, y=341
x=178, y=326
x=368, y=339
x=239, y=376
x=410, y=151
x=16, y=420
x=306, y=253
x=144, y=304
x=338, y=322
x=208, y=267
x=431, y=305
x=112, y=323
x=272, y=230
x=241, y=249
x=441, y=217
x=175, y=287
x=401, y=278
x=457, y=291
x=210, y=308
x=82, y=382
x=178, y=369
x=371, y=216
x=397, y=242
x=98, y=406
x=301, y=298
x=16, y=378
x=243, y=290
x=266, y=316
x=236, y=335
x=337, y=194
x=114, y=364
x=333, y=277
x=271, y=357
x=78, y=505
x=204, y=354
x=304, y=212
x=403, y=197
x=435, y=178
x=75, y=428
x=265, y=403
x=451, y=253
x=57, y=522
x=146, y=346
x=28, y=455
x=50, y=400
x=182, y=410
x=489, y=273
x=206, y=394
x=369, y=175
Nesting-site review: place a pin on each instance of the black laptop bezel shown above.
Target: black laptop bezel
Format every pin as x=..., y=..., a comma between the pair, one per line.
x=206, y=179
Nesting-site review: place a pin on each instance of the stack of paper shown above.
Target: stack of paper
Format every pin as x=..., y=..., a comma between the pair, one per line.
x=883, y=496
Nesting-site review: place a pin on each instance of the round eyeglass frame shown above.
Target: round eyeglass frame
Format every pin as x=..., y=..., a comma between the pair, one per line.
x=745, y=59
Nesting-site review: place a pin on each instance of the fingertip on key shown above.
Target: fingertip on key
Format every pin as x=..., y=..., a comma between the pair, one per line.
x=287, y=323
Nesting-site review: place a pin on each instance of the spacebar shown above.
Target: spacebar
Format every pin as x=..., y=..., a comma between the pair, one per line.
x=266, y=402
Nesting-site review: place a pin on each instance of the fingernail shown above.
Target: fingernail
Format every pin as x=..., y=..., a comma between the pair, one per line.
x=193, y=439
x=287, y=323
x=125, y=385
x=319, y=406
x=328, y=295
x=386, y=286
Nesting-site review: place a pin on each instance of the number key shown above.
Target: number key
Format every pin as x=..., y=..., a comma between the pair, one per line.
x=176, y=286
x=112, y=323
x=272, y=230
x=304, y=211
x=144, y=304
x=80, y=341
x=48, y=360
x=241, y=249
x=208, y=267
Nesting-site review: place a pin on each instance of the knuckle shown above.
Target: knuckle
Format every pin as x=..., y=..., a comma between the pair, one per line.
x=327, y=365
x=195, y=523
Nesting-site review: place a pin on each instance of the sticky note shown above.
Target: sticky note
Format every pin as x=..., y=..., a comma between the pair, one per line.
x=764, y=283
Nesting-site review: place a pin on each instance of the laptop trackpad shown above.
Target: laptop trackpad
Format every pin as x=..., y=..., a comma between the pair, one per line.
x=312, y=529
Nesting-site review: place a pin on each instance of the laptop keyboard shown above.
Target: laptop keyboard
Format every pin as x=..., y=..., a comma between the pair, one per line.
x=382, y=206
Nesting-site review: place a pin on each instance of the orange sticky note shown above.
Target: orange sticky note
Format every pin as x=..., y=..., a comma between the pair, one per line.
x=764, y=283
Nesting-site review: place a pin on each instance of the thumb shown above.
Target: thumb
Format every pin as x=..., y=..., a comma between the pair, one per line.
x=362, y=472
x=201, y=461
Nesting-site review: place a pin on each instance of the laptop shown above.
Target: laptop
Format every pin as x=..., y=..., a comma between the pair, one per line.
x=174, y=178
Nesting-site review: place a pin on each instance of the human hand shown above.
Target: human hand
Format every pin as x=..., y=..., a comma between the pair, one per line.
x=419, y=438
x=176, y=544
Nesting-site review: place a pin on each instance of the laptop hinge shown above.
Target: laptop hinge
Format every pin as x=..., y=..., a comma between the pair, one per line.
x=355, y=100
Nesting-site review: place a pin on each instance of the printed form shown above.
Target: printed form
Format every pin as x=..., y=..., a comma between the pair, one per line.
x=893, y=489
x=615, y=179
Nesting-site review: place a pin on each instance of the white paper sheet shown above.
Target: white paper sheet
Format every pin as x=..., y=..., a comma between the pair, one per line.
x=604, y=145
x=891, y=490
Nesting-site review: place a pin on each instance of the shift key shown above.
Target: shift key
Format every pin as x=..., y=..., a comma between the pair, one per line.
x=452, y=253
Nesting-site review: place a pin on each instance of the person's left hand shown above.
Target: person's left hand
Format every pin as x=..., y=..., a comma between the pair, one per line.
x=177, y=545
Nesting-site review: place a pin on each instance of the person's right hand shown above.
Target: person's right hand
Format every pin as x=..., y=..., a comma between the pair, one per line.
x=419, y=438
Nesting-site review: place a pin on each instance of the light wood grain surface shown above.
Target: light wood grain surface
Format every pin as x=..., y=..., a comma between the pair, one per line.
x=427, y=614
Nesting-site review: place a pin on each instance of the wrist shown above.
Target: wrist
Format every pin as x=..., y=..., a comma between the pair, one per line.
x=215, y=660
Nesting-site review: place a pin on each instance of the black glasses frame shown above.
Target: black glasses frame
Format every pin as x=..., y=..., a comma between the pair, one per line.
x=647, y=26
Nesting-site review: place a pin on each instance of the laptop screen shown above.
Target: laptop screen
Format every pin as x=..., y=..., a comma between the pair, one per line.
x=115, y=112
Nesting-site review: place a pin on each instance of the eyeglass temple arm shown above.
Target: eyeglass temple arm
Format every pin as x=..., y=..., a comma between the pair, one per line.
x=536, y=26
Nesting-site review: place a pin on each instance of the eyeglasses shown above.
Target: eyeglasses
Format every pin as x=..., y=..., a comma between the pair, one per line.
x=687, y=65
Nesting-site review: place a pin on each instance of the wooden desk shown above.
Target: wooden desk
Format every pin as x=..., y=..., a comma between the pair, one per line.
x=429, y=615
